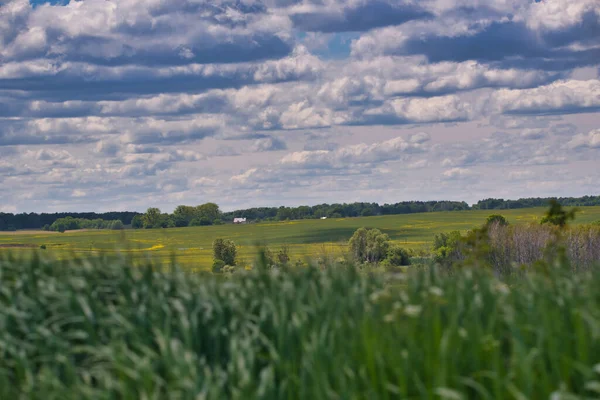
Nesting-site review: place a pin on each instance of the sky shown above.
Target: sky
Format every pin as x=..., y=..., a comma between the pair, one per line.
x=129, y=104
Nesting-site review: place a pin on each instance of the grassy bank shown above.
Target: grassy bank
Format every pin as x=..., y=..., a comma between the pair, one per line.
x=99, y=328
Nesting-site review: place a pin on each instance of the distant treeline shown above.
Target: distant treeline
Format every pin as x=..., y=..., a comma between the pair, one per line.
x=11, y=222
x=209, y=214
x=344, y=210
x=501, y=204
x=71, y=224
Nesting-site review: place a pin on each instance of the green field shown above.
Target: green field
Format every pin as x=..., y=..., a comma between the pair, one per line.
x=305, y=238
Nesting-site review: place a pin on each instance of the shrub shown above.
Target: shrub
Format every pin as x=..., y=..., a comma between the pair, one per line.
x=283, y=256
x=397, y=256
x=116, y=225
x=43, y=247
x=446, y=247
x=557, y=215
x=217, y=266
x=224, y=250
x=228, y=269
x=496, y=219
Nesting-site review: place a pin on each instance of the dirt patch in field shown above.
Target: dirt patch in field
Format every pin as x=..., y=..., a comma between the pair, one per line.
x=17, y=246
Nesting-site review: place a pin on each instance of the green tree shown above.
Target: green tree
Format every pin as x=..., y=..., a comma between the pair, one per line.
x=208, y=211
x=224, y=250
x=496, y=219
x=369, y=245
x=183, y=215
x=557, y=215
x=152, y=218
x=137, y=222
x=446, y=247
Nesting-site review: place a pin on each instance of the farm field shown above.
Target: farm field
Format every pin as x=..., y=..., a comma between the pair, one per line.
x=305, y=238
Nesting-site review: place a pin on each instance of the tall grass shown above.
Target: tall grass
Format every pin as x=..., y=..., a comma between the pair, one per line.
x=102, y=329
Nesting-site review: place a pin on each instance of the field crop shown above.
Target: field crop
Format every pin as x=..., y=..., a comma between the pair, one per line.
x=305, y=238
x=102, y=329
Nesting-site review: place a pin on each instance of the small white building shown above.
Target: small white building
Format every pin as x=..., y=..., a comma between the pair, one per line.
x=239, y=220
x=323, y=217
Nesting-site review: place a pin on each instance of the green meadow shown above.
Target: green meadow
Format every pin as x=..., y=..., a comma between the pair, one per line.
x=304, y=238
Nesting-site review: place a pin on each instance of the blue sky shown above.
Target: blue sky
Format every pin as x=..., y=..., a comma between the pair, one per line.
x=126, y=104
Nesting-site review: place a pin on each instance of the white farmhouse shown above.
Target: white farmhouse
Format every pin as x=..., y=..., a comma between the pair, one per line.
x=239, y=220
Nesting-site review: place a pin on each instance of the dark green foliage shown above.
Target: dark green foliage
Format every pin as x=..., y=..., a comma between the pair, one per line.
x=369, y=245
x=217, y=266
x=446, y=248
x=137, y=222
x=100, y=329
x=397, y=256
x=208, y=212
x=496, y=219
x=225, y=250
x=557, y=215
x=501, y=204
x=200, y=221
x=71, y=224
x=344, y=210
x=39, y=221
x=43, y=247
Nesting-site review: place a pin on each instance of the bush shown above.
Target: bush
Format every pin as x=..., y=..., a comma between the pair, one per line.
x=217, y=266
x=557, y=215
x=496, y=219
x=397, y=256
x=224, y=250
x=116, y=225
x=446, y=247
x=43, y=247
x=228, y=269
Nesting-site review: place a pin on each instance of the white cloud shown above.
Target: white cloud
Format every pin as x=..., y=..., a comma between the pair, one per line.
x=560, y=97
x=590, y=140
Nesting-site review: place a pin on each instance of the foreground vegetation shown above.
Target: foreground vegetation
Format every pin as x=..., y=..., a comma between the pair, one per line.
x=101, y=328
